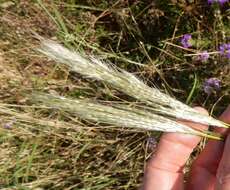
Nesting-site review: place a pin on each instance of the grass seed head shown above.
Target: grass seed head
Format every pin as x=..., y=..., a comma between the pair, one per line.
x=126, y=82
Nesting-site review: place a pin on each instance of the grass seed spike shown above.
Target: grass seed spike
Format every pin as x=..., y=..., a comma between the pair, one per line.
x=156, y=101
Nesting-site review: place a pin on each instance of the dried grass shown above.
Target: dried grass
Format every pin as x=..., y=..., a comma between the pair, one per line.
x=162, y=110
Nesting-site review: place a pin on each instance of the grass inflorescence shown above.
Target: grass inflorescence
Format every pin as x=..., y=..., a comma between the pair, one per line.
x=159, y=103
x=49, y=142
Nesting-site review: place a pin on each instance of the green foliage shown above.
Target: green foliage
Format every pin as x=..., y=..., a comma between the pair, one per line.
x=54, y=150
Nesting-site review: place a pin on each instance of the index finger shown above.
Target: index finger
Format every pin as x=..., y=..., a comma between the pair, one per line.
x=203, y=173
x=165, y=169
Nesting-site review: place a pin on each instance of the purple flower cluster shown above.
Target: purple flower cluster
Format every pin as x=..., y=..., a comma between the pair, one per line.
x=218, y=1
x=225, y=50
x=203, y=56
x=186, y=40
x=211, y=85
x=9, y=125
x=151, y=143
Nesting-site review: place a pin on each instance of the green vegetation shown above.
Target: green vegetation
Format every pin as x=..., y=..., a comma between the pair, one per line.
x=50, y=149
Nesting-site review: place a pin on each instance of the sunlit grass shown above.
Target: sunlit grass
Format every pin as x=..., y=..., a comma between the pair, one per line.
x=48, y=147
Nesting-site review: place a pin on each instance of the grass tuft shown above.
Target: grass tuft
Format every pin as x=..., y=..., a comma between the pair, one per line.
x=47, y=147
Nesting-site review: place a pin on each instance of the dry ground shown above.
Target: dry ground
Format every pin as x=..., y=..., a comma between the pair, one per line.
x=42, y=149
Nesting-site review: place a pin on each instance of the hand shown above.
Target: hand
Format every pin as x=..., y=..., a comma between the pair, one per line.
x=210, y=171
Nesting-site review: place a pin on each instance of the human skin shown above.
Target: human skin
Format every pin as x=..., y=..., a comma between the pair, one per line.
x=210, y=171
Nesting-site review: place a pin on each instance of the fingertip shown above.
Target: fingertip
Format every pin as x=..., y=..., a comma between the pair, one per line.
x=201, y=110
x=225, y=116
x=181, y=144
x=173, y=151
x=203, y=174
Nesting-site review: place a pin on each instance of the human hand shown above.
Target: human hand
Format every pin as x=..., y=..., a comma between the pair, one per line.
x=210, y=171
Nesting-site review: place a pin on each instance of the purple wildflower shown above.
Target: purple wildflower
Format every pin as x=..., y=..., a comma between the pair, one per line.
x=225, y=50
x=223, y=1
x=151, y=143
x=186, y=40
x=211, y=84
x=211, y=1
x=8, y=125
x=203, y=56
x=218, y=1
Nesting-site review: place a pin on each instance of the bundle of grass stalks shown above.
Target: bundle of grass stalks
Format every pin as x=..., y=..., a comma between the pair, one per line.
x=153, y=110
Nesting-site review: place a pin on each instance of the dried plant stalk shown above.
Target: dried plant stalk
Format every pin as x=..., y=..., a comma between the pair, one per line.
x=118, y=116
x=127, y=83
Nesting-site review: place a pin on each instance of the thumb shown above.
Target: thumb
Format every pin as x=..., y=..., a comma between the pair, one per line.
x=223, y=172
